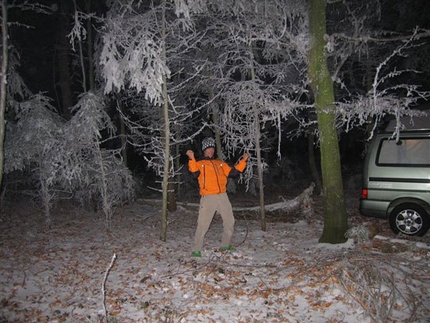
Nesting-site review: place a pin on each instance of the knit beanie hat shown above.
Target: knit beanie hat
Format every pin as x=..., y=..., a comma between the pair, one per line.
x=208, y=142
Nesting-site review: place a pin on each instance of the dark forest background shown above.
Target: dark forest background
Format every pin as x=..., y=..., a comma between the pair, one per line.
x=49, y=65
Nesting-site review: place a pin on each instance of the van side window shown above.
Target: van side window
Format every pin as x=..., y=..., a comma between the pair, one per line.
x=406, y=152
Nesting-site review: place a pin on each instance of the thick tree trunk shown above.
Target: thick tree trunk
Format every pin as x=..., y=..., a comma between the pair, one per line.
x=335, y=216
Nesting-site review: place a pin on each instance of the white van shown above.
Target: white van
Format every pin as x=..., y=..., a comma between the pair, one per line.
x=396, y=177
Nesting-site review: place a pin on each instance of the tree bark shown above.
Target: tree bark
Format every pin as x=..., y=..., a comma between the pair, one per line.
x=335, y=216
x=313, y=164
x=171, y=204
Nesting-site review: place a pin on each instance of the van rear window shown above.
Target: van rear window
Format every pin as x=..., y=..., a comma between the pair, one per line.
x=406, y=152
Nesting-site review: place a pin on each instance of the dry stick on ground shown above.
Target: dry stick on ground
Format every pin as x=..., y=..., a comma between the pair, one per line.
x=286, y=205
x=411, y=301
x=302, y=201
x=104, y=286
x=374, y=287
x=369, y=292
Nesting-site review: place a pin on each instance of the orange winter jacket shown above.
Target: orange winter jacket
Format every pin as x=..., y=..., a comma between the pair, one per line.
x=212, y=174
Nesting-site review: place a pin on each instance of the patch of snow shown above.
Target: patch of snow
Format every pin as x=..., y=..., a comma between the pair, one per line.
x=281, y=275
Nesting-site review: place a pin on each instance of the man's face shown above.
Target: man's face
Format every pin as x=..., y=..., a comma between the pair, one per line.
x=209, y=152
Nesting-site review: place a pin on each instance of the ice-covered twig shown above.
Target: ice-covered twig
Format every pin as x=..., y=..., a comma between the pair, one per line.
x=108, y=269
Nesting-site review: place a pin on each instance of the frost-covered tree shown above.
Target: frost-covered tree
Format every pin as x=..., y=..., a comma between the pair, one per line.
x=268, y=104
x=387, y=95
x=246, y=76
x=59, y=159
x=98, y=173
x=32, y=142
x=12, y=87
x=65, y=158
x=141, y=50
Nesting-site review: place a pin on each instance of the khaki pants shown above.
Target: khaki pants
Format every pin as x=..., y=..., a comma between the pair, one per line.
x=209, y=204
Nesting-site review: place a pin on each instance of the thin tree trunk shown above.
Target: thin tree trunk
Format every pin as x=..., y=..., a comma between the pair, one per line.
x=257, y=136
x=179, y=176
x=123, y=139
x=90, y=47
x=215, y=118
x=81, y=58
x=3, y=89
x=231, y=183
x=106, y=205
x=65, y=80
x=46, y=197
x=165, y=183
x=335, y=216
x=171, y=194
x=259, y=170
x=171, y=204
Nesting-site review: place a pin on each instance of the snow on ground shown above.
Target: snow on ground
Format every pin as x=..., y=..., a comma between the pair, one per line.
x=77, y=272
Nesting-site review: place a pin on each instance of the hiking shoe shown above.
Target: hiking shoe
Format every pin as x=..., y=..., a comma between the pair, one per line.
x=196, y=253
x=228, y=247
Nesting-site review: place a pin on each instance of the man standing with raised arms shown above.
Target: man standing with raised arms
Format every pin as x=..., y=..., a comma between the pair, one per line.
x=212, y=176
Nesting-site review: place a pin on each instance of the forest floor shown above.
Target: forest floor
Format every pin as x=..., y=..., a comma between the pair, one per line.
x=76, y=271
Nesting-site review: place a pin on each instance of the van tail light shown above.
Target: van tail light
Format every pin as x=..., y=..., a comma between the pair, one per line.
x=364, y=194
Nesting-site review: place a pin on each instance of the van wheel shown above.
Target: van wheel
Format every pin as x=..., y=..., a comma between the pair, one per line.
x=409, y=219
